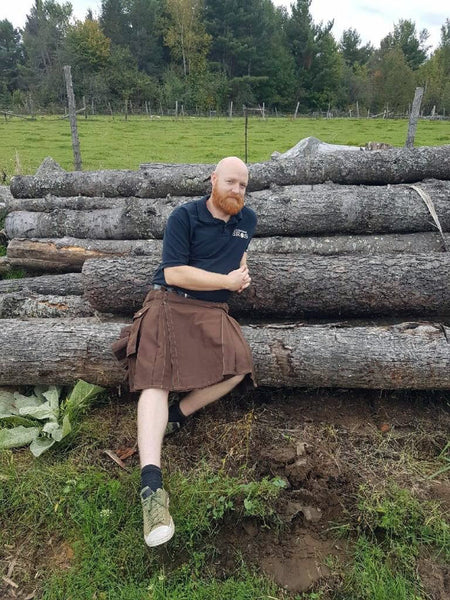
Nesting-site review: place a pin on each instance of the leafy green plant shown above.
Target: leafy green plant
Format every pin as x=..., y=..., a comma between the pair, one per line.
x=205, y=498
x=42, y=418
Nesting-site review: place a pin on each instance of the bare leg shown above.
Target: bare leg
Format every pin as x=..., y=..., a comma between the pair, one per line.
x=199, y=398
x=152, y=415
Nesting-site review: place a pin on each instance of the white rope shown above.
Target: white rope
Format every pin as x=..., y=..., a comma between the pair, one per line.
x=429, y=204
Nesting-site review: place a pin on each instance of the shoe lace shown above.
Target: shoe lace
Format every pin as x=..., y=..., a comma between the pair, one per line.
x=156, y=509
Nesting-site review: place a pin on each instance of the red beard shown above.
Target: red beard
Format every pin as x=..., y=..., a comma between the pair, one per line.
x=230, y=202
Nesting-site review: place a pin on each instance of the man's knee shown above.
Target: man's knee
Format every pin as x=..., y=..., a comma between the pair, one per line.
x=153, y=394
x=236, y=379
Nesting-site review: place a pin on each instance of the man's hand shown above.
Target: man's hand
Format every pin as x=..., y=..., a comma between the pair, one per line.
x=239, y=279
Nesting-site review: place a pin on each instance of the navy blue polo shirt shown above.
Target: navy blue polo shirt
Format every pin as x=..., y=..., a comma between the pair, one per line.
x=194, y=237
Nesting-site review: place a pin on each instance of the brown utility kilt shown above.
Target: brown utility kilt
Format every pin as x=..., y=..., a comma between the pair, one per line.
x=181, y=344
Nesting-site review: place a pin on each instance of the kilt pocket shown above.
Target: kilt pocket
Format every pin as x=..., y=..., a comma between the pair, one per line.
x=119, y=347
x=134, y=333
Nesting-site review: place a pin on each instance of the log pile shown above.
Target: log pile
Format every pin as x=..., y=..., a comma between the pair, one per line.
x=351, y=273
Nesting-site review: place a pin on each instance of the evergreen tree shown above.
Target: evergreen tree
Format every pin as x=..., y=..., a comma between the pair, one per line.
x=406, y=39
x=11, y=56
x=234, y=26
x=249, y=45
x=43, y=38
x=353, y=53
x=317, y=61
x=145, y=39
x=114, y=21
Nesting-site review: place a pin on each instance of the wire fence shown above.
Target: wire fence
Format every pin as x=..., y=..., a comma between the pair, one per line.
x=179, y=111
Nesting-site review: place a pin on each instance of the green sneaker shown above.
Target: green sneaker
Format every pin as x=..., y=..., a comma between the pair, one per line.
x=158, y=524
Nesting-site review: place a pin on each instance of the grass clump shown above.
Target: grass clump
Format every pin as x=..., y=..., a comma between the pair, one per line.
x=203, y=499
x=393, y=528
x=377, y=575
x=396, y=514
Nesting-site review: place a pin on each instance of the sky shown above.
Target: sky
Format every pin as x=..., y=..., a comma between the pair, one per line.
x=373, y=20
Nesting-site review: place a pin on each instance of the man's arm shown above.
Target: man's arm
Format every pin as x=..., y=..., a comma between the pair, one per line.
x=193, y=278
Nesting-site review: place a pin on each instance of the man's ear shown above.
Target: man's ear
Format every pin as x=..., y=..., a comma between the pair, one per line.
x=213, y=177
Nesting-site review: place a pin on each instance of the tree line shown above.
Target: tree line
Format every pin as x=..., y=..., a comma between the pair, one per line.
x=205, y=54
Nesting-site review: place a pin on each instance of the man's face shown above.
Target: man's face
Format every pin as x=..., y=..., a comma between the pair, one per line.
x=228, y=188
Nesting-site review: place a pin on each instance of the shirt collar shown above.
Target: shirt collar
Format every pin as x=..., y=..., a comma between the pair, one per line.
x=206, y=217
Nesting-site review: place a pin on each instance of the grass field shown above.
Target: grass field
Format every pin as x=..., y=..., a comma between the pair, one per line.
x=108, y=143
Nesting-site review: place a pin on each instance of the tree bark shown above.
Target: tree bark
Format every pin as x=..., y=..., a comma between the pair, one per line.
x=69, y=284
x=286, y=211
x=69, y=254
x=398, y=165
x=402, y=356
x=297, y=285
x=23, y=305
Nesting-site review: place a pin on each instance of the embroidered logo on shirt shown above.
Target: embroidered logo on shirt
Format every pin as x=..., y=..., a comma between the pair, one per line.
x=240, y=233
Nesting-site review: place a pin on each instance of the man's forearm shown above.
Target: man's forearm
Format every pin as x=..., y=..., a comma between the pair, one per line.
x=193, y=278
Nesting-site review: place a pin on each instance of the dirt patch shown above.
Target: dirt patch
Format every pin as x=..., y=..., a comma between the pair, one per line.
x=435, y=578
x=324, y=444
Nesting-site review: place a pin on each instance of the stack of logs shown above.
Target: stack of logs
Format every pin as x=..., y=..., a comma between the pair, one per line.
x=350, y=275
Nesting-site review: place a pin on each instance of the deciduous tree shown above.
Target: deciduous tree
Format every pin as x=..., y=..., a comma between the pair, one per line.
x=186, y=36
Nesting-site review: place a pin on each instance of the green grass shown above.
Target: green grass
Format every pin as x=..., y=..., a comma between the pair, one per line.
x=100, y=519
x=108, y=143
x=13, y=273
x=393, y=528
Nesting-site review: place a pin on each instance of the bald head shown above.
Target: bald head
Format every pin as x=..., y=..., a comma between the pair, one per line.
x=231, y=163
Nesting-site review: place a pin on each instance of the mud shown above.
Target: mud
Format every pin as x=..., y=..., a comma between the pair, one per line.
x=324, y=444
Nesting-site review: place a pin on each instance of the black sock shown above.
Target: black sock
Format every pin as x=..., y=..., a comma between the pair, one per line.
x=175, y=414
x=151, y=477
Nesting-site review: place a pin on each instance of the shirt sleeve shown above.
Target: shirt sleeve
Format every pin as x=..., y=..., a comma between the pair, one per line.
x=176, y=241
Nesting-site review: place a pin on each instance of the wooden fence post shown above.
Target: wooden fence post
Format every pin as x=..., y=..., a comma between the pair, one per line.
x=246, y=134
x=73, y=119
x=415, y=110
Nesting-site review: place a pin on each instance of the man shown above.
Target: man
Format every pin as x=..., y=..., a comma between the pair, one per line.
x=183, y=338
